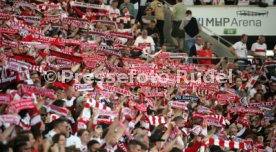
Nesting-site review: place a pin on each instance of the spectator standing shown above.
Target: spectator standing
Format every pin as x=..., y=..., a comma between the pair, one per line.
x=158, y=9
x=205, y=52
x=113, y=9
x=196, y=47
x=178, y=14
x=129, y=6
x=191, y=27
x=153, y=32
x=146, y=19
x=239, y=49
x=259, y=48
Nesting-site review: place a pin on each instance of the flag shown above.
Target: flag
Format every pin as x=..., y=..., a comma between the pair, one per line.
x=270, y=68
x=250, y=83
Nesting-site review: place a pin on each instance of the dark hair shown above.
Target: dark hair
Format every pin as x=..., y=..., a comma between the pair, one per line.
x=18, y=146
x=243, y=35
x=58, y=122
x=91, y=143
x=176, y=150
x=188, y=12
x=80, y=132
x=59, y=103
x=57, y=136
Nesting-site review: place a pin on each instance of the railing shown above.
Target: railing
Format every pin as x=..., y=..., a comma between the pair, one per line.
x=219, y=38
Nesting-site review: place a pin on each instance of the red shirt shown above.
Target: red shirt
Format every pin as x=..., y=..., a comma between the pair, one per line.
x=204, y=53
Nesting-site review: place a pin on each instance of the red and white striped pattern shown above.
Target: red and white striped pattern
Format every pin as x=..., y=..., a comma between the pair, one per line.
x=46, y=7
x=250, y=82
x=36, y=68
x=95, y=104
x=124, y=20
x=223, y=121
x=228, y=144
x=156, y=120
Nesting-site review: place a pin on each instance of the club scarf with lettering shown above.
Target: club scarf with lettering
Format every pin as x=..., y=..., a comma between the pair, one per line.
x=10, y=79
x=18, y=25
x=4, y=16
x=5, y=98
x=214, y=120
x=22, y=104
x=25, y=4
x=132, y=61
x=223, y=99
x=93, y=57
x=8, y=30
x=105, y=22
x=47, y=6
x=29, y=89
x=154, y=94
x=205, y=110
x=75, y=22
x=59, y=110
x=86, y=5
x=105, y=36
x=228, y=90
x=145, y=70
x=110, y=50
x=122, y=35
x=83, y=87
x=9, y=119
x=77, y=59
x=180, y=105
x=262, y=104
x=245, y=110
x=148, y=84
x=89, y=45
x=26, y=58
x=9, y=43
x=50, y=19
x=29, y=19
x=186, y=98
x=14, y=66
x=115, y=89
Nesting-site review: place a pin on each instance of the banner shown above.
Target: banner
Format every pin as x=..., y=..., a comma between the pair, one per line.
x=236, y=20
x=186, y=98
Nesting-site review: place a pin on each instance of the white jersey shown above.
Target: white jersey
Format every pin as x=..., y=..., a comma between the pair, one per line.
x=147, y=44
x=113, y=12
x=240, y=49
x=259, y=49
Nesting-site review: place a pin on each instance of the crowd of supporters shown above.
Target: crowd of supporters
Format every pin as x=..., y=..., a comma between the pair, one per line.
x=93, y=76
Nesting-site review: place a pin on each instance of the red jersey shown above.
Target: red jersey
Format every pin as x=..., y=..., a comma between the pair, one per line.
x=204, y=53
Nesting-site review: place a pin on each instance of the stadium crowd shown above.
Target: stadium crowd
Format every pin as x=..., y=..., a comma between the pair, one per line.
x=83, y=76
